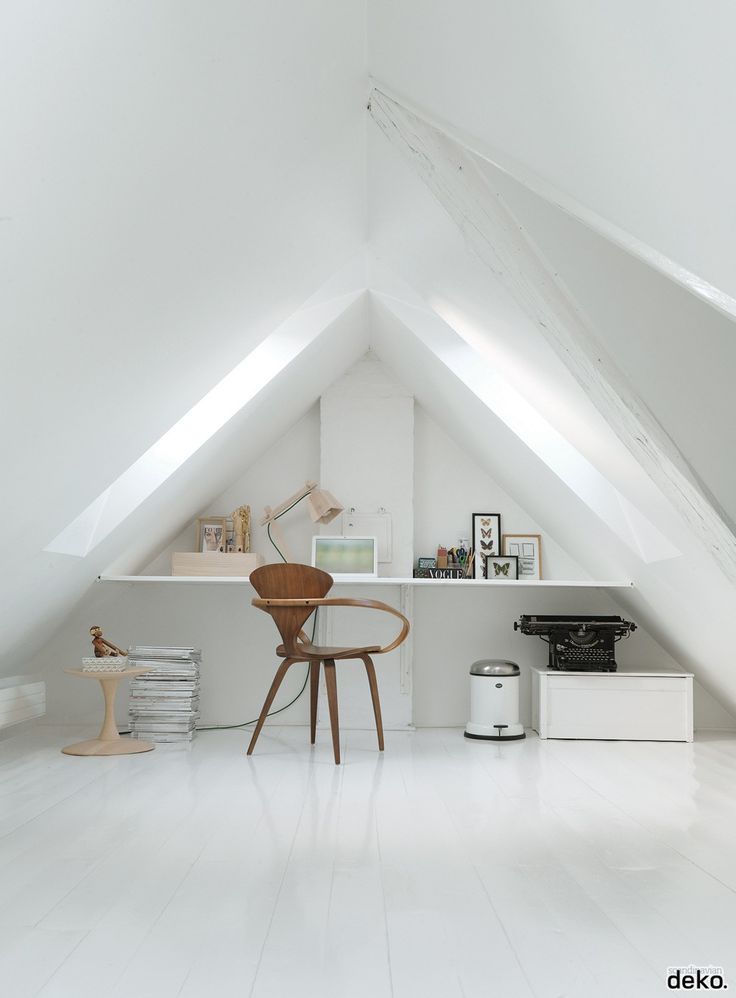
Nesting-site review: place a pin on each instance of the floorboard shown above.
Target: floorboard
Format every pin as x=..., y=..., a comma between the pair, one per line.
x=440, y=868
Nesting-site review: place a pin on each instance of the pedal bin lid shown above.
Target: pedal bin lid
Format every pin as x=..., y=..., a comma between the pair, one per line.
x=494, y=667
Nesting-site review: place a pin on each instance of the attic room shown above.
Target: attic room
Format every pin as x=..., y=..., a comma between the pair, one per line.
x=368, y=444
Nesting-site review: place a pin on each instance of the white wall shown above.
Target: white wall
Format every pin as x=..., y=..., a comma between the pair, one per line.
x=367, y=460
x=367, y=455
x=623, y=106
x=449, y=486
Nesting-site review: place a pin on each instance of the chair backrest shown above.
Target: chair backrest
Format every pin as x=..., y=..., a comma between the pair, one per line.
x=289, y=581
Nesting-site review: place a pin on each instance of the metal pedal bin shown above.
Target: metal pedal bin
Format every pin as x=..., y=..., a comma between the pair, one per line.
x=494, y=701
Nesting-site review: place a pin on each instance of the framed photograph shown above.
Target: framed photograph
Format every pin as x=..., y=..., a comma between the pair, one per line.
x=211, y=534
x=528, y=549
x=426, y=563
x=486, y=539
x=501, y=567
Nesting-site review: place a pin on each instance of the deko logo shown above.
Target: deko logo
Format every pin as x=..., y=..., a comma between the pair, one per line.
x=696, y=979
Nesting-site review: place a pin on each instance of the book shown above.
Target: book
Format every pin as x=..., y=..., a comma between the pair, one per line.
x=164, y=701
x=164, y=736
x=166, y=653
x=163, y=726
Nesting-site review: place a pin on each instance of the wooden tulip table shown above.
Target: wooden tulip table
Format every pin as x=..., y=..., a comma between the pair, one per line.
x=108, y=742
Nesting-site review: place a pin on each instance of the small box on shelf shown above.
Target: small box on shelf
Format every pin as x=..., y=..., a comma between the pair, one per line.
x=215, y=563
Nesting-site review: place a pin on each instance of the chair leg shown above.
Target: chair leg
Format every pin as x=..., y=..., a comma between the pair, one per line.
x=331, y=683
x=373, y=683
x=313, y=691
x=281, y=672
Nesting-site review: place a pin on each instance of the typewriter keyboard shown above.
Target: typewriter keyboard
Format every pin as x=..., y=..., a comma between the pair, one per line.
x=589, y=656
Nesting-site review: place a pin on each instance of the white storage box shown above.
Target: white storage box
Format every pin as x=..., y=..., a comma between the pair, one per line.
x=635, y=706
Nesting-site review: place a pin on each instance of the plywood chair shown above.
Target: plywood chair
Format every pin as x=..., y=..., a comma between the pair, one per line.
x=291, y=594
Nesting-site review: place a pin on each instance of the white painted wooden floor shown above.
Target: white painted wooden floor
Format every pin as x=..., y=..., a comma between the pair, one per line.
x=442, y=868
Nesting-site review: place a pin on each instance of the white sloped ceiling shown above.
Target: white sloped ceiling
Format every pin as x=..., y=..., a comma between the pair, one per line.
x=182, y=184
x=177, y=181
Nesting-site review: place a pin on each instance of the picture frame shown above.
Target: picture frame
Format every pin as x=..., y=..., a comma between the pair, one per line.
x=426, y=563
x=486, y=539
x=212, y=534
x=345, y=557
x=501, y=567
x=528, y=549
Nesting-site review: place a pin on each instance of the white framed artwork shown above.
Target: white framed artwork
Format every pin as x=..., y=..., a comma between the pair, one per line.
x=486, y=539
x=528, y=549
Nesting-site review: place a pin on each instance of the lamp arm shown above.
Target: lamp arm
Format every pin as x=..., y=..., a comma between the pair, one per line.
x=271, y=514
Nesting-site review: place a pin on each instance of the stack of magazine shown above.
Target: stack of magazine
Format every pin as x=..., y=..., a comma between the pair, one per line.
x=164, y=702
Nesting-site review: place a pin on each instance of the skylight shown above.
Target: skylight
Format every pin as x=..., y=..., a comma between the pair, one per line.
x=444, y=336
x=195, y=428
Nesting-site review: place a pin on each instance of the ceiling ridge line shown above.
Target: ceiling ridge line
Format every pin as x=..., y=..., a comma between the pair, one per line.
x=591, y=219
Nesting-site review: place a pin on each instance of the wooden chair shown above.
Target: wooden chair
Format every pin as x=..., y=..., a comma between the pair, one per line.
x=291, y=593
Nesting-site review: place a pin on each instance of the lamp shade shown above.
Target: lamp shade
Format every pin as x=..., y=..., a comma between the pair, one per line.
x=323, y=507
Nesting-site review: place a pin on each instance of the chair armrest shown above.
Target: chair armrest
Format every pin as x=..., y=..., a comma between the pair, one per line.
x=370, y=604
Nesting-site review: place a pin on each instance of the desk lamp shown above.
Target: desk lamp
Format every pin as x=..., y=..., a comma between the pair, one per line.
x=323, y=508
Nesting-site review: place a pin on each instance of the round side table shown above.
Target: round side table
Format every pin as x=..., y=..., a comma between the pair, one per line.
x=108, y=742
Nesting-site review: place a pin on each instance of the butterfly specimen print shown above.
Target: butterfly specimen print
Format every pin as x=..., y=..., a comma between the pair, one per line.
x=486, y=540
x=502, y=567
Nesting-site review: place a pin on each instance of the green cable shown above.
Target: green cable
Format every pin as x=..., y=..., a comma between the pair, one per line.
x=271, y=713
x=268, y=528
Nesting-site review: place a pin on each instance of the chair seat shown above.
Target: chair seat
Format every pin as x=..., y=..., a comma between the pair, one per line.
x=321, y=651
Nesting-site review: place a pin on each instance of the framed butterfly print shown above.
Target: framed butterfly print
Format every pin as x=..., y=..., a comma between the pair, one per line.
x=486, y=540
x=500, y=567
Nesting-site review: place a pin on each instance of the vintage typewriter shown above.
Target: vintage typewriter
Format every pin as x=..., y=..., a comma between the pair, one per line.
x=578, y=644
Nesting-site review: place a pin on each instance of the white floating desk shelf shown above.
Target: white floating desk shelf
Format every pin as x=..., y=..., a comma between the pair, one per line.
x=516, y=583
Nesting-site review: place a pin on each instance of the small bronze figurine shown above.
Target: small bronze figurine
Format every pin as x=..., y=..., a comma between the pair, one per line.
x=102, y=647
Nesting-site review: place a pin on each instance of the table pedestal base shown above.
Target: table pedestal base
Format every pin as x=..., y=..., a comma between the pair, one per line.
x=108, y=742
x=116, y=746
